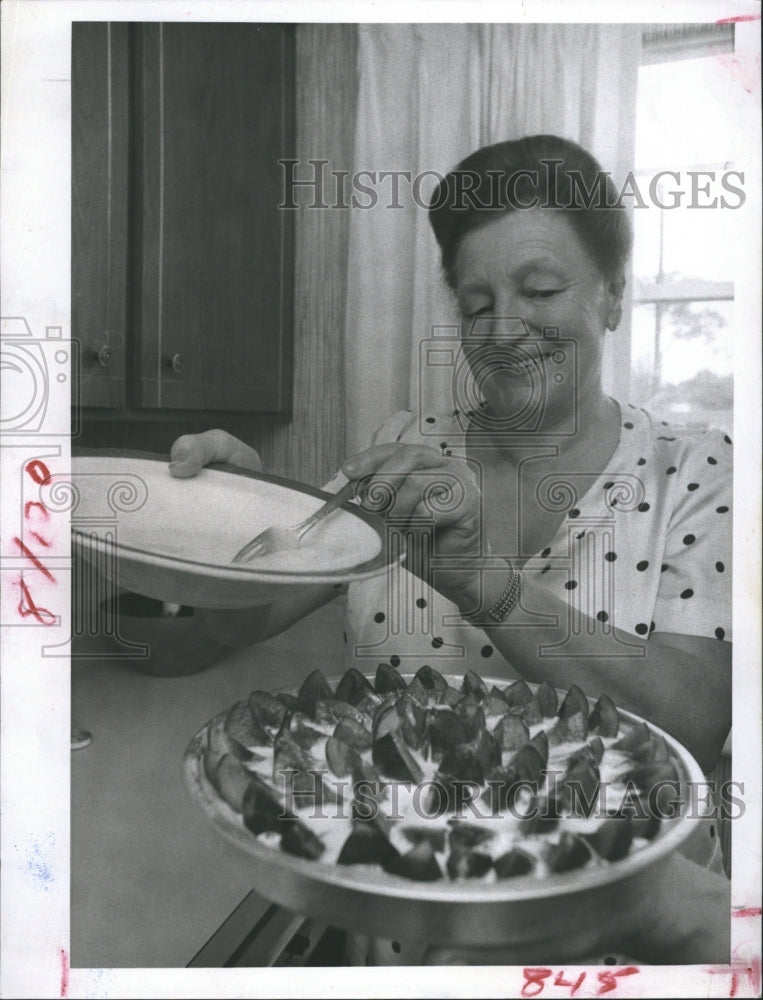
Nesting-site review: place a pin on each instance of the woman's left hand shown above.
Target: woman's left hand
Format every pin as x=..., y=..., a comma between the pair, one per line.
x=434, y=500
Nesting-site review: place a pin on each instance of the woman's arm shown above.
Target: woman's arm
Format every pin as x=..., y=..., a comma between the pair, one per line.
x=679, y=682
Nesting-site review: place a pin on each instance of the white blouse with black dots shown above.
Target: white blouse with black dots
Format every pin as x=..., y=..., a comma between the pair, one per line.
x=644, y=546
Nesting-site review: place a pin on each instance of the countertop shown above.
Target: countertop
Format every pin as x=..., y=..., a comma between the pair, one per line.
x=151, y=880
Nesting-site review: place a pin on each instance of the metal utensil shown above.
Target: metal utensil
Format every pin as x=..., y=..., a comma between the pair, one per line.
x=277, y=539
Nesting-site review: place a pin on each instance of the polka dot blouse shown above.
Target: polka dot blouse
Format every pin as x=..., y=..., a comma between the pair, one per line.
x=645, y=547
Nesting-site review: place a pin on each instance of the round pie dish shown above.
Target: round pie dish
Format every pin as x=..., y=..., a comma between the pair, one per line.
x=463, y=912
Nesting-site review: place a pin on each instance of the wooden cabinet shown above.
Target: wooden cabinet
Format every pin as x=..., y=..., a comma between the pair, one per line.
x=182, y=260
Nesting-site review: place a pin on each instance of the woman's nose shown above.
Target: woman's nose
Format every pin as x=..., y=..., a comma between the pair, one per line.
x=499, y=326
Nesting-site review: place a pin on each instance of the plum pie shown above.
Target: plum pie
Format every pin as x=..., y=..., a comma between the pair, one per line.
x=441, y=777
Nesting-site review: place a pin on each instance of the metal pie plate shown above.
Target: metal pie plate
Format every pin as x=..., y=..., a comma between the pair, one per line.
x=366, y=899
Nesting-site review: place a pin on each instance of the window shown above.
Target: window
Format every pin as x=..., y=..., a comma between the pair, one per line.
x=689, y=108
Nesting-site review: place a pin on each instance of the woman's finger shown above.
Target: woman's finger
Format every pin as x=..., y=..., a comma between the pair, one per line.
x=395, y=457
x=191, y=452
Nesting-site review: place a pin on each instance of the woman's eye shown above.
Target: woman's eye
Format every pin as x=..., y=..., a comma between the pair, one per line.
x=480, y=311
x=540, y=293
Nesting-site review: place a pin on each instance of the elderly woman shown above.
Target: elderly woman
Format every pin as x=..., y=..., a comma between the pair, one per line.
x=573, y=534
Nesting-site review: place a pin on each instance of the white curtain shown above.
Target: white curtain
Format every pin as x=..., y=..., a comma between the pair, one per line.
x=428, y=96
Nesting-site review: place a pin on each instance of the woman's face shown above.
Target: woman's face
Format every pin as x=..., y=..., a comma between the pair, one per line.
x=515, y=277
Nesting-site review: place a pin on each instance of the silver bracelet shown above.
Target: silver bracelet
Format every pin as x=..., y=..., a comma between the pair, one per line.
x=505, y=604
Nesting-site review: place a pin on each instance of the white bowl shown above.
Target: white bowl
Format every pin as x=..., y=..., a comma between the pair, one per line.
x=173, y=539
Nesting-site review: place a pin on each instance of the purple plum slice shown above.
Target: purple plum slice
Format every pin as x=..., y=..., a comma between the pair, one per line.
x=314, y=688
x=262, y=809
x=612, y=840
x=539, y=742
x=394, y=759
x=605, y=718
x=300, y=840
x=431, y=680
x=548, y=699
x=445, y=729
x=243, y=731
x=353, y=687
x=474, y=686
x=289, y=701
x=473, y=716
x=511, y=733
x=532, y=712
x=387, y=679
x=638, y=735
x=355, y=735
x=341, y=758
x=528, y=764
x=571, y=852
x=574, y=702
x=463, y=863
x=266, y=709
x=418, y=864
x=463, y=765
x=329, y=711
x=513, y=863
x=232, y=781
x=367, y=845
x=517, y=694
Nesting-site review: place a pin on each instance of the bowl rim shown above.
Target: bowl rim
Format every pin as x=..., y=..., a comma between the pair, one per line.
x=243, y=573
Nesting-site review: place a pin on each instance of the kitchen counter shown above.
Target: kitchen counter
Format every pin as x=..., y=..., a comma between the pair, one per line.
x=151, y=880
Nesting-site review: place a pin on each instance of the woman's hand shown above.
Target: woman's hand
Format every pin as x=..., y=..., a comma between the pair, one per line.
x=434, y=500
x=677, y=914
x=191, y=452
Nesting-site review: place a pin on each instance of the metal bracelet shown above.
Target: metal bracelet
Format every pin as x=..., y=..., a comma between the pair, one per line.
x=509, y=599
x=505, y=604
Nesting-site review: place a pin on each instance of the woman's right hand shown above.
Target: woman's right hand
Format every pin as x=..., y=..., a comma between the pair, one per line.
x=191, y=452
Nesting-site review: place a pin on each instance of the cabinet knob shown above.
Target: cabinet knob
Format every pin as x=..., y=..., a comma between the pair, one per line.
x=104, y=356
x=176, y=363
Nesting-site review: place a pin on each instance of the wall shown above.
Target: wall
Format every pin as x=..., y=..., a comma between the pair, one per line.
x=310, y=447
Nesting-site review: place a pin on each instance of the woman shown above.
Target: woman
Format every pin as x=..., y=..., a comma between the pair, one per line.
x=576, y=536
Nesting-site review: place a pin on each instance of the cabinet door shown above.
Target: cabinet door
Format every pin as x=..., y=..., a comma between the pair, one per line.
x=216, y=279
x=99, y=209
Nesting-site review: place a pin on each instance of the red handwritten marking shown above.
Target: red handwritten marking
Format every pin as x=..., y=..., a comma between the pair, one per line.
x=739, y=17
x=35, y=503
x=38, y=471
x=608, y=978
x=64, y=972
x=559, y=980
x=33, y=559
x=28, y=607
x=751, y=972
x=746, y=911
x=534, y=977
x=40, y=539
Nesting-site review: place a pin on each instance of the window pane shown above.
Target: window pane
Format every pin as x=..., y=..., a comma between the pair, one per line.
x=682, y=362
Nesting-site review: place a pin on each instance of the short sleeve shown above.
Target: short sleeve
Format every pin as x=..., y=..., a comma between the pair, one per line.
x=694, y=594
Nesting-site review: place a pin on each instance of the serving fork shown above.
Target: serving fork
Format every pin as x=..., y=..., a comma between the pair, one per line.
x=279, y=539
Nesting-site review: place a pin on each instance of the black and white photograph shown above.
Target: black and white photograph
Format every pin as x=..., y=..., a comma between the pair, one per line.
x=381, y=506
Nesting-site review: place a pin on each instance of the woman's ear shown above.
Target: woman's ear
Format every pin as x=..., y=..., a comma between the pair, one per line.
x=615, y=290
